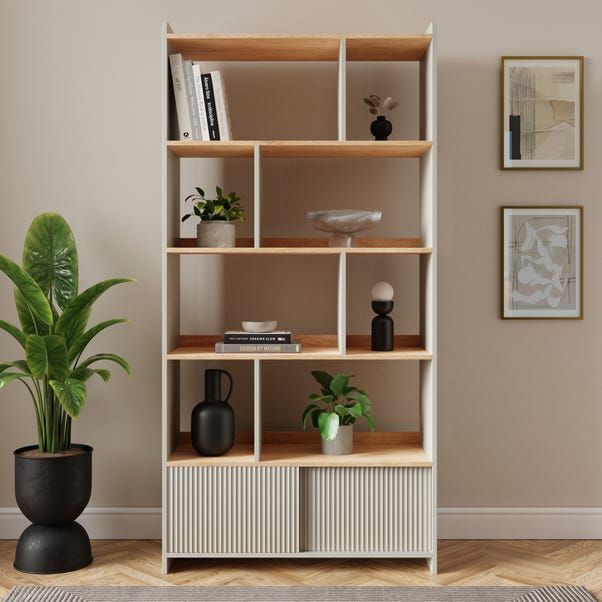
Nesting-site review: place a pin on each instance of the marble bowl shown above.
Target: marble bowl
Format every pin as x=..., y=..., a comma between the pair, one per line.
x=343, y=224
x=257, y=327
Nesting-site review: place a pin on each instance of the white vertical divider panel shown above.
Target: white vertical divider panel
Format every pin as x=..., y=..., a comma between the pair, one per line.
x=170, y=284
x=342, y=303
x=257, y=196
x=428, y=266
x=342, y=87
x=257, y=421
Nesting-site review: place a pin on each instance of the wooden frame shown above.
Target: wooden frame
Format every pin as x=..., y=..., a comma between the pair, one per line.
x=579, y=248
x=579, y=103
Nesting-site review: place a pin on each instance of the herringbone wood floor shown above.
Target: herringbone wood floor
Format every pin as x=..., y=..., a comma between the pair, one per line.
x=460, y=563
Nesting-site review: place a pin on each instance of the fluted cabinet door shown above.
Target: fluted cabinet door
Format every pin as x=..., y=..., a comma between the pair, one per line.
x=232, y=510
x=379, y=509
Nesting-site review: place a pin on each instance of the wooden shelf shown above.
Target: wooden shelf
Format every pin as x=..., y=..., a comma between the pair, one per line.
x=370, y=149
x=322, y=347
x=305, y=246
x=301, y=47
x=303, y=449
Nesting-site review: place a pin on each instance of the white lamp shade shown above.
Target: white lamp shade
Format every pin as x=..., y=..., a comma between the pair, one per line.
x=382, y=291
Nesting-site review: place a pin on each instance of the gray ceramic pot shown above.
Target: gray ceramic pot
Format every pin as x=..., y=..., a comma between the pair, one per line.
x=342, y=444
x=216, y=234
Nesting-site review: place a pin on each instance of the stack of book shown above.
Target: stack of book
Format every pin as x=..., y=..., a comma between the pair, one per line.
x=201, y=103
x=240, y=341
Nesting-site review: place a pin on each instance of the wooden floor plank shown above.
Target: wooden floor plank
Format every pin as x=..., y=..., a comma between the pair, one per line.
x=463, y=563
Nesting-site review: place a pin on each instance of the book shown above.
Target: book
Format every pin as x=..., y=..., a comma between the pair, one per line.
x=179, y=88
x=221, y=347
x=193, y=106
x=197, y=71
x=221, y=105
x=210, y=110
x=242, y=336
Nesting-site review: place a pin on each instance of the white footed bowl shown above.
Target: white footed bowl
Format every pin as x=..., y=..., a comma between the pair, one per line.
x=343, y=224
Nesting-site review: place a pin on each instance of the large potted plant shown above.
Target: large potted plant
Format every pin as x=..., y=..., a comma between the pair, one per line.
x=334, y=411
x=53, y=479
x=218, y=217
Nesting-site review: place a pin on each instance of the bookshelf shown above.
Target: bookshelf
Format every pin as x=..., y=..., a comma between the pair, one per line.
x=272, y=494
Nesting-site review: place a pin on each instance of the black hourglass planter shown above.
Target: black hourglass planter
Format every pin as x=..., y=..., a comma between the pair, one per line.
x=52, y=490
x=381, y=128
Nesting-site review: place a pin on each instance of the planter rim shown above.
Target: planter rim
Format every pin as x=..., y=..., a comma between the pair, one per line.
x=216, y=221
x=86, y=448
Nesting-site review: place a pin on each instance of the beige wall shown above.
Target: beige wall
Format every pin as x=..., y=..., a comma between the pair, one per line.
x=519, y=402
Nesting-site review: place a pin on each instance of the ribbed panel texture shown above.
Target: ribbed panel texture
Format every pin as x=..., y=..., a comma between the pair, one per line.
x=232, y=510
x=377, y=509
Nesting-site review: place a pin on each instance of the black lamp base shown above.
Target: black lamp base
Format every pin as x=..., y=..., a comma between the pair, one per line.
x=383, y=330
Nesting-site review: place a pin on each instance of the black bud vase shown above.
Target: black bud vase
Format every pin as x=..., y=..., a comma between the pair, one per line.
x=381, y=128
x=382, y=326
x=212, y=420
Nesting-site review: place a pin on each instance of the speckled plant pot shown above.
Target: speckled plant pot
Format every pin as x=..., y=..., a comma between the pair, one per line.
x=342, y=444
x=216, y=234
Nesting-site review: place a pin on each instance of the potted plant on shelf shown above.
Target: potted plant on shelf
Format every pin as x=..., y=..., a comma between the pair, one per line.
x=217, y=227
x=381, y=127
x=53, y=479
x=335, y=417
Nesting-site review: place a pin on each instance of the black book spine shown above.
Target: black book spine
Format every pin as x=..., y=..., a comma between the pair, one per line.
x=270, y=339
x=210, y=107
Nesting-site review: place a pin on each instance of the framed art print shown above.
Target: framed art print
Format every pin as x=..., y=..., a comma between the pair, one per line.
x=542, y=262
x=541, y=112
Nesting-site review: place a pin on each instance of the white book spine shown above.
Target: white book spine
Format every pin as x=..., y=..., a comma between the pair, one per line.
x=179, y=88
x=193, y=107
x=221, y=103
x=200, y=97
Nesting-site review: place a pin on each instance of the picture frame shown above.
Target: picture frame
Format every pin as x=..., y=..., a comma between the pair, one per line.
x=542, y=262
x=541, y=112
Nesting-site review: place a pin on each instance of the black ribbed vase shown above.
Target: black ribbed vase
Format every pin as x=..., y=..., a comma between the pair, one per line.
x=52, y=491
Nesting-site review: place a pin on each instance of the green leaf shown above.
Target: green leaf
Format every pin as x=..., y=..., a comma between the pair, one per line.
x=308, y=410
x=370, y=420
x=73, y=321
x=328, y=423
x=110, y=357
x=50, y=257
x=184, y=218
x=7, y=377
x=200, y=191
x=85, y=374
x=338, y=384
x=316, y=397
x=28, y=322
x=32, y=293
x=82, y=341
x=14, y=332
x=47, y=356
x=19, y=364
x=359, y=396
x=355, y=410
x=219, y=191
x=71, y=394
x=341, y=410
x=323, y=378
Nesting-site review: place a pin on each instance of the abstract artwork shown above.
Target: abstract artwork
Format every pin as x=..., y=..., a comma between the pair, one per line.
x=542, y=262
x=542, y=113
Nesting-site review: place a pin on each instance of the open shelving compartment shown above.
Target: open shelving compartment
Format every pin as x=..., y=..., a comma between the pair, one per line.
x=272, y=494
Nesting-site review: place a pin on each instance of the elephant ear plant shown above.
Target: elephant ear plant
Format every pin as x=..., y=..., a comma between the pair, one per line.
x=53, y=317
x=328, y=411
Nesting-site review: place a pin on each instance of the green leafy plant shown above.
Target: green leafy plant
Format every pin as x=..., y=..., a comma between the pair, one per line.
x=376, y=106
x=332, y=411
x=222, y=208
x=53, y=335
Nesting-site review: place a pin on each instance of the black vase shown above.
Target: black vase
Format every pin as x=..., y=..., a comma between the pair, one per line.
x=383, y=328
x=52, y=491
x=212, y=420
x=381, y=128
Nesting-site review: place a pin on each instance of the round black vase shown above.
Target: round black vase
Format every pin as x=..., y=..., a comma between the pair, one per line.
x=381, y=128
x=212, y=428
x=52, y=491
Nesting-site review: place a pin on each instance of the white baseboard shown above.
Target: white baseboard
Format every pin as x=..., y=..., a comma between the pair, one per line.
x=520, y=523
x=101, y=523
x=453, y=523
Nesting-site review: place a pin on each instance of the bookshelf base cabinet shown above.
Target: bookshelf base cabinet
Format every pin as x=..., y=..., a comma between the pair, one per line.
x=274, y=494
x=291, y=511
